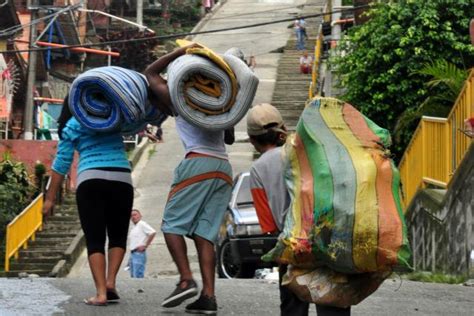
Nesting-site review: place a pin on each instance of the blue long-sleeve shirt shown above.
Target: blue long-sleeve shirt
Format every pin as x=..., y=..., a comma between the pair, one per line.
x=96, y=150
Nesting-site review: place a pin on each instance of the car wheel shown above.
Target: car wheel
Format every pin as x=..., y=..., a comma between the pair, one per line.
x=226, y=266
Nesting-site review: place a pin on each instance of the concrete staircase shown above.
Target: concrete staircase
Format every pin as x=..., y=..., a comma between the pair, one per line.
x=291, y=87
x=56, y=247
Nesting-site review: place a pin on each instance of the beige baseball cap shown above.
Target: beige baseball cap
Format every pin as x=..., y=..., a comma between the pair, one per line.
x=263, y=117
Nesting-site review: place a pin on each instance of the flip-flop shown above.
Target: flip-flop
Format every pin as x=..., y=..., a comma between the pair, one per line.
x=93, y=302
x=112, y=295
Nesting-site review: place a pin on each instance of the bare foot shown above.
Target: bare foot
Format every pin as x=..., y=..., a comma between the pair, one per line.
x=96, y=301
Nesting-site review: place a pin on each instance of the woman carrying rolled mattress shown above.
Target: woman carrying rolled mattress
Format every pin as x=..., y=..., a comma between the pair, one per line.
x=104, y=193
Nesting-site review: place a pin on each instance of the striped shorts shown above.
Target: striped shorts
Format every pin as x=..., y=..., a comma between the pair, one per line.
x=198, y=198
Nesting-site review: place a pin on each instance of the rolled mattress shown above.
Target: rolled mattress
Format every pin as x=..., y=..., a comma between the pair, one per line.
x=111, y=99
x=206, y=95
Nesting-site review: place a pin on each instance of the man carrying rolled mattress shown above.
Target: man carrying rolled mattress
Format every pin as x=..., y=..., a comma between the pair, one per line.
x=198, y=198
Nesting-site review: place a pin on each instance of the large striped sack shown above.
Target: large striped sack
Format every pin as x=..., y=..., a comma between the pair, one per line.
x=345, y=210
x=211, y=91
x=113, y=99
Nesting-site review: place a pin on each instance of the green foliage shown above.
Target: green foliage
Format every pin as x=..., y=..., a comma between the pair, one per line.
x=40, y=171
x=443, y=88
x=380, y=68
x=430, y=277
x=151, y=151
x=15, y=193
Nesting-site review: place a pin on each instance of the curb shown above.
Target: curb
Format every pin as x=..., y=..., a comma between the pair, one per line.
x=138, y=151
x=70, y=256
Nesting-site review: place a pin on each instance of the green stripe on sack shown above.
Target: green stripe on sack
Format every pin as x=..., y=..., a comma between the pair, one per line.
x=323, y=190
x=382, y=133
x=403, y=254
x=338, y=237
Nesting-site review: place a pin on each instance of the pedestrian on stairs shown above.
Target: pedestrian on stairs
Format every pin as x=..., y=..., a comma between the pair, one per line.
x=104, y=197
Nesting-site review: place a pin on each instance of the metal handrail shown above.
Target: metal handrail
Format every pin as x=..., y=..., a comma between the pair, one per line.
x=313, y=88
x=438, y=146
x=22, y=229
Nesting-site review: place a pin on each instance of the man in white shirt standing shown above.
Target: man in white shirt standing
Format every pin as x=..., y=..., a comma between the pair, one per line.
x=306, y=63
x=140, y=238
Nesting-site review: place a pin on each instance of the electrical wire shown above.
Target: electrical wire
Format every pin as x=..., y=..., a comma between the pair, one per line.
x=181, y=35
x=12, y=30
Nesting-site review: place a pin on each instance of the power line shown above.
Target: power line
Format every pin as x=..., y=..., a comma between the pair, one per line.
x=180, y=35
x=12, y=30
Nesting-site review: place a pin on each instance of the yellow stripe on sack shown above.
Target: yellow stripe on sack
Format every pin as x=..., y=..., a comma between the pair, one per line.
x=296, y=207
x=365, y=233
x=220, y=62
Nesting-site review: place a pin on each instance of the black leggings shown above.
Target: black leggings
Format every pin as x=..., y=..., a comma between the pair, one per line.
x=104, y=208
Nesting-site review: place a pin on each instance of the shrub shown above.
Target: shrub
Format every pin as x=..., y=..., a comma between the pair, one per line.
x=16, y=191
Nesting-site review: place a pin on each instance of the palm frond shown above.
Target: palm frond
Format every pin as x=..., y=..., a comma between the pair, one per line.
x=444, y=73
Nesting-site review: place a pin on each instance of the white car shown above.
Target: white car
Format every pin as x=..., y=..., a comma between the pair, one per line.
x=241, y=242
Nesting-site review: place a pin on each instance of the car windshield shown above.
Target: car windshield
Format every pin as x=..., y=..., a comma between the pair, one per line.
x=244, y=196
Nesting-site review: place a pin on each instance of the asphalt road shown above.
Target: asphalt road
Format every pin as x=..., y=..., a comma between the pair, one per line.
x=234, y=297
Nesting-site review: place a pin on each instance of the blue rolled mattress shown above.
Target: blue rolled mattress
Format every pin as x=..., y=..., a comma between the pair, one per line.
x=113, y=99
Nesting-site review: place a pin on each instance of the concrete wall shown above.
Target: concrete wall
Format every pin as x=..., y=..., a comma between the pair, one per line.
x=441, y=227
x=30, y=152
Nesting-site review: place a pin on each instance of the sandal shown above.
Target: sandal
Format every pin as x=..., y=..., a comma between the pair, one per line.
x=112, y=295
x=94, y=302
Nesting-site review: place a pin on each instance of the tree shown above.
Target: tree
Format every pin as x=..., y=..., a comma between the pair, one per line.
x=380, y=67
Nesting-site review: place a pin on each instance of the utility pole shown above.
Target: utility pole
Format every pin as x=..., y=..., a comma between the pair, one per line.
x=32, y=55
x=140, y=12
x=335, y=37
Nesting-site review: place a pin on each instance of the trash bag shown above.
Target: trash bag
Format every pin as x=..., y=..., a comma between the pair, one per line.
x=324, y=286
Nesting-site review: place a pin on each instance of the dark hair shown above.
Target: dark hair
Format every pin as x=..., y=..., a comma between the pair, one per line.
x=64, y=116
x=271, y=137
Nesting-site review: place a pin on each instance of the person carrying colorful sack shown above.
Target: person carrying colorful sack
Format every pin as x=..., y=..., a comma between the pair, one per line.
x=267, y=133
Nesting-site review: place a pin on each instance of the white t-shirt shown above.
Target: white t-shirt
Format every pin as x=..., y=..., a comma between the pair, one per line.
x=139, y=234
x=201, y=141
x=306, y=60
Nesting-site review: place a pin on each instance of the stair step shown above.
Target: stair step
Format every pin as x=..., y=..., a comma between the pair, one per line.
x=39, y=260
x=20, y=266
x=67, y=218
x=51, y=242
x=32, y=253
x=41, y=273
x=59, y=234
